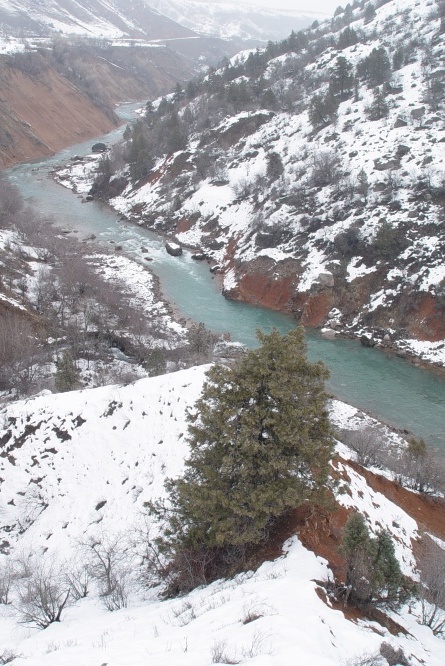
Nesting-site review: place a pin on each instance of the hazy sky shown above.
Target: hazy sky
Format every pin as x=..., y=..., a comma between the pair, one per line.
x=311, y=6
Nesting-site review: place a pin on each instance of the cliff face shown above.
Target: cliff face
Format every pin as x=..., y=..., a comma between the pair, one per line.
x=50, y=100
x=40, y=117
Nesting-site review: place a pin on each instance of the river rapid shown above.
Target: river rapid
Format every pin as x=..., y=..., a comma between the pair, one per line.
x=393, y=390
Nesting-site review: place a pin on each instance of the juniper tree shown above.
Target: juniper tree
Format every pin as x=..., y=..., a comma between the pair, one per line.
x=67, y=374
x=373, y=571
x=260, y=444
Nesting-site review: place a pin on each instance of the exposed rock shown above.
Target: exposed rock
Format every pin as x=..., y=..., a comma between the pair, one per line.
x=99, y=147
x=417, y=114
x=367, y=341
x=173, y=248
x=326, y=280
x=385, y=165
x=400, y=122
x=402, y=150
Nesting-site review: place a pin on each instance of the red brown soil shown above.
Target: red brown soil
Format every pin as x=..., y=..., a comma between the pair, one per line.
x=45, y=115
x=429, y=321
x=320, y=530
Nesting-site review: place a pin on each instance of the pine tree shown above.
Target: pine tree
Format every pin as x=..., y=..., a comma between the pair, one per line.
x=379, y=108
x=67, y=375
x=260, y=444
x=341, y=82
x=373, y=572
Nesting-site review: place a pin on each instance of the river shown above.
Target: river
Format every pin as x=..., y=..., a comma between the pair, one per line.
x=392, y=389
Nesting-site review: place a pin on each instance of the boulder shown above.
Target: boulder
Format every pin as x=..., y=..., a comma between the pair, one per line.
x=367, y=341
x=99, y=147
x=174, y=249
x=326, y=280
x=386, y=165
x=400, y=122
x=417, y=114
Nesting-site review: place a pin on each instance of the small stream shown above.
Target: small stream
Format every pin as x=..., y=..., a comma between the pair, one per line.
x=390, y=388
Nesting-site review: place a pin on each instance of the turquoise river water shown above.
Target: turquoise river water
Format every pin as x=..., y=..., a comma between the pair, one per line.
x=392, y=389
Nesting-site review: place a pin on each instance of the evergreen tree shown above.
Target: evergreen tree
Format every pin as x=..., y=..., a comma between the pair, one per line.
x=373, y=571
x=260, y=444
x=379, y=108
x=375, y=68
x=67, y=375
x=322, y=109
x=348, y=37
x=369, y=13
x=341, y=82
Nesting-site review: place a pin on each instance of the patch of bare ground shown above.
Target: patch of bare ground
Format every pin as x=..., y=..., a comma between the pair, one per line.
x=320, y=530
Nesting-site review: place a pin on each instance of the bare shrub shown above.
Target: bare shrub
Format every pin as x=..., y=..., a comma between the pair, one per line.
x=7, y=656
x=394, y=656
x=367, y=443
x=109, y=564
x=8, y=576
x=43, y=593
x=419, y=468
x=432, y=588
x=325, y=169
x=367, y=660
x=78, y=577
x=220, y=654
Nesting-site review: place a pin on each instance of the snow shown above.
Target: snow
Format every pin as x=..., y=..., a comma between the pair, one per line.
x=114, y=446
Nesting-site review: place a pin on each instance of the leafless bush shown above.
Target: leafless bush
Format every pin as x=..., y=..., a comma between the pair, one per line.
x=220, y=654
x=8, y=575
x=419, y=468
x=42, y=594
x=394, y=656
x=7, y=656
x=78, y=577
x=367, y=443
x=432, y=588
x=152, y=565
x=325, y=169
x=109, y=564
x=367, y=660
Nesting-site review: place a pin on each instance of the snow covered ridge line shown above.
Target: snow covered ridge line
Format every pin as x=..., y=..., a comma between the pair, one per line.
x=83, y=464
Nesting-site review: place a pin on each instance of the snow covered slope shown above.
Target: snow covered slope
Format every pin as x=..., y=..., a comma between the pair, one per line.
x=156, y=19
x=228, y=20
x=316, y=189
x=92, y=18
x=81, y=465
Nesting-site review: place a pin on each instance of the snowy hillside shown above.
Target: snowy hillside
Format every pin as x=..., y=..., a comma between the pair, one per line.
x=233, y=21
x=78, y=468
x=312, y=174
x=95, y=18
x=156, y=19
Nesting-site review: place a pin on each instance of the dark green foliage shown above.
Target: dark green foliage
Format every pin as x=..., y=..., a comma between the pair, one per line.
x=67, y=374
x=274, y=166
x=373, y=573
x=260, y=444
x=369, y=13
x=154, y=362
x=322, y=110
x=348, y=37
x=389, y=242
x=341, y=82
x=139, y=155
x=379, y=108
x=375, y=68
